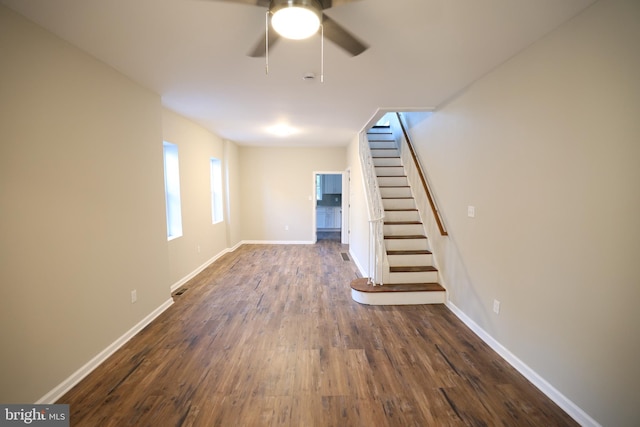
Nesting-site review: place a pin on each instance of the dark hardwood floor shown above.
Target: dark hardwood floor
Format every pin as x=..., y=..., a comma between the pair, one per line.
x=328, y=235
x=269, y=336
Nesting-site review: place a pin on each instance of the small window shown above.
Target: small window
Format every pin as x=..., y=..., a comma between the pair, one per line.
x=216, y=190
x=172, y=190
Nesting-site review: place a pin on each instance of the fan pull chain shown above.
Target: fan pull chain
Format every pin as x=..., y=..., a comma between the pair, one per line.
x=266, y=47
x=321, y=53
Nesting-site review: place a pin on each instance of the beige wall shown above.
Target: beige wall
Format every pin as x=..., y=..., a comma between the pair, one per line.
x=547, y=149
x=277, y=190
x=201, y=240
x=82, y=205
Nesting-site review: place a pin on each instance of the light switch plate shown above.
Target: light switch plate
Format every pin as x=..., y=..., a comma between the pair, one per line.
x=471, y=211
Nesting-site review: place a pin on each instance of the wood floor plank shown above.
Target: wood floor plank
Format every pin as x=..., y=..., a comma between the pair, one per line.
x=268, y=335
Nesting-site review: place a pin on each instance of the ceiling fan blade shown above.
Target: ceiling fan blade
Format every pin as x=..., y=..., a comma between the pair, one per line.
x=260, y=50
x=340, y=36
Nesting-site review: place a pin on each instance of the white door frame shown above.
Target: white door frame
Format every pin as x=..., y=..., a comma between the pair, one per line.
x=346, y=188
x=344, y=222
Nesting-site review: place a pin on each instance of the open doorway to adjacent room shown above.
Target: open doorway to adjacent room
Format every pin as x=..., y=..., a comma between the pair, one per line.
x=329, y=205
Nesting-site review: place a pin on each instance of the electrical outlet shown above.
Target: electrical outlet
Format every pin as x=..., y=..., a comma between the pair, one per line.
x=496, y=306
x=286, y=227
x=134, y=296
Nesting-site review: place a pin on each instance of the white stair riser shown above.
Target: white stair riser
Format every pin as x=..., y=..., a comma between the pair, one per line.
x=395, y=192
x=389, y=171
x=409, y=260
x=405, y=244
x=382, y=142
x=384, y=153
x=387, y=161
x=398, y=203
x=414, y=277
x=402, y=229
x=401, y=216
x=398, y=298
x=385, y=130
x=392, y=181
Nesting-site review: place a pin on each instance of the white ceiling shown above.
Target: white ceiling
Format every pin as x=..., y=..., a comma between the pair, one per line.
x=193, y=53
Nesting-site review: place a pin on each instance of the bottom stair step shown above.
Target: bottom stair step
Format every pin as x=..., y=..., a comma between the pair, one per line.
x=363, y=286
x=397, y=294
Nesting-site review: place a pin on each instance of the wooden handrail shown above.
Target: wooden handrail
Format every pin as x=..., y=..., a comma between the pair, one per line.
x=434, y=208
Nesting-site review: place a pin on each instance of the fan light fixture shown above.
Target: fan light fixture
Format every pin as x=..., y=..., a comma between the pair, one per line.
x=296, y=19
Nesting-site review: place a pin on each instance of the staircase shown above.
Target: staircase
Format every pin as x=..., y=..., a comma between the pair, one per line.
x=411, y=277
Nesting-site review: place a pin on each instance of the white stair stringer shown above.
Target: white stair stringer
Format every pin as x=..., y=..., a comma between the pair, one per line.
x=409, y=276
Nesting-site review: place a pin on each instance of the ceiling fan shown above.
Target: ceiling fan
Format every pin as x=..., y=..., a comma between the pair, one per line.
x=298, y=19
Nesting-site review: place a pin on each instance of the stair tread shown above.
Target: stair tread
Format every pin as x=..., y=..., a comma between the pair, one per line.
x=412, y=268
x=406, y=236
x=410, y=252
x=402, y=223
x=397, y=197
x=400, y=210
x=363, y=286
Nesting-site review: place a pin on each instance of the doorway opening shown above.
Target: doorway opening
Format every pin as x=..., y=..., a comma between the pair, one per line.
x=328, y=194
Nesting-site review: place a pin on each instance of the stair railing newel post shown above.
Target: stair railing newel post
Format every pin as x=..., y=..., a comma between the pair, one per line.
x=376, y=213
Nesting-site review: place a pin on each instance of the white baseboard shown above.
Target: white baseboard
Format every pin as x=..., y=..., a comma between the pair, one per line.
x=277, y=242
x=236, y=246
x=198, y=270
x=78, y=375
x=543, y=385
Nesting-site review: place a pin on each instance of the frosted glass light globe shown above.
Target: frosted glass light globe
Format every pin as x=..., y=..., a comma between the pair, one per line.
x=295, y=22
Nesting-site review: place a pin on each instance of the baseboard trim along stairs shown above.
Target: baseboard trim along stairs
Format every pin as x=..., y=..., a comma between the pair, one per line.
x=411, y=277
